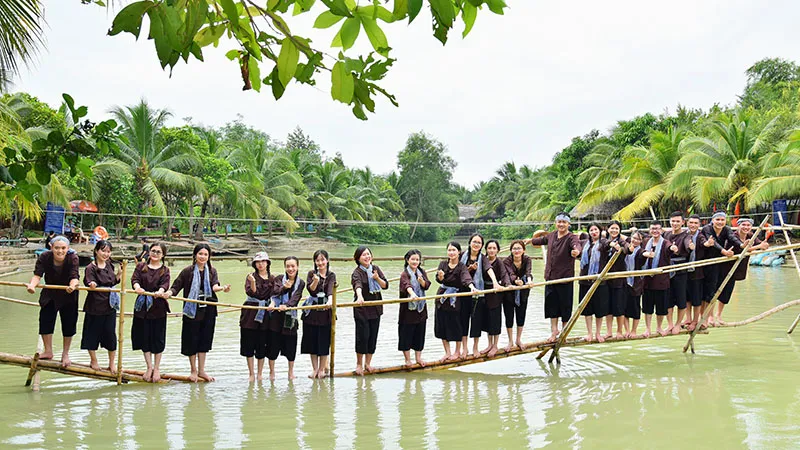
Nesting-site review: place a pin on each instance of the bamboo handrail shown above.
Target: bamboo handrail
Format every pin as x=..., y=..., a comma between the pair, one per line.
x=333, y=329
x=121, y=329
x=712, y=303
x=796, y=266
x=581, y=306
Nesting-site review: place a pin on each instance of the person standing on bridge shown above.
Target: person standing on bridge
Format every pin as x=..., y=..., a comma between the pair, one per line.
x=58, y=266
x=287, y=292
x=100, y=308
x=482, y=272
x=413, y=316
x=252, y=323
x=563, y=247
x=679, y=254
x=720, y=241
x=198, y=281
x=368, y=281
x=149, y=328
x=321, y=283
x=453, y=277
x=515, y=304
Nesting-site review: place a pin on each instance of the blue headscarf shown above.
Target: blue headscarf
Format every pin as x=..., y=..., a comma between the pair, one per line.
x=417, y=288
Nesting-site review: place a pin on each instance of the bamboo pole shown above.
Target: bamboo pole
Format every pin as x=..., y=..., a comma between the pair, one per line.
x=585, y=302
x=121, y=330
x=796, y=265
x=712, y=303
x=333, y=330
x=32, y=373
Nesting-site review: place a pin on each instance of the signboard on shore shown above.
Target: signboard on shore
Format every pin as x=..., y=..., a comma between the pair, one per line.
x=779, y=206
x=54, y=219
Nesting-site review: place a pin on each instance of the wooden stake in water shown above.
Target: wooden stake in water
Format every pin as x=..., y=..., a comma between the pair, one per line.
x=121, y=330
x=574, y=319
x=796, y=265
x=333, y=330
x=712, y=303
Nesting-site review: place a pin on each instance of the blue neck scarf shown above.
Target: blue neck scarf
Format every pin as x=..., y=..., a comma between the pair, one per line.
x=477, y=279
x=261, y=312
x=113, y=300
x=319, y=298
x=283, y=299
x=693, y=253
x=415, y=286
x=374, y=286
x=653, y=262
x=517, y=299
x=449, y=290
x=592, y=261
x=630, y=264
x=141, y=301
x=189, y=308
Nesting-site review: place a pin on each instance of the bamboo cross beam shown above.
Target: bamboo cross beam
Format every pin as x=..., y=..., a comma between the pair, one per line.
x=581, y=306
x=121, y=329
x=333, y=330
x=712, y=303
x=796, y=266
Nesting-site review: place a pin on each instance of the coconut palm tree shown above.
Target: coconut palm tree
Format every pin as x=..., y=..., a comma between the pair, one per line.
x=603, y=164
x=780, y=172
x=725, y=166
x=20, y=35
x=645, y=172
x=155, y=166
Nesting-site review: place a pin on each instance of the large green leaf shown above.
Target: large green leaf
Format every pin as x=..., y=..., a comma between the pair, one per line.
x=414, y=7
x=376, y=36
x=349, y=32
x=468, y=13
x=287, y=61
x=327, y=19
x=129, y=18
x=231, y=12
x=342, y=85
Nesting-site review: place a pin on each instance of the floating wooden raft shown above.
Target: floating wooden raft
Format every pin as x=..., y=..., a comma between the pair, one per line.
x=80, y=370
x=529, y=348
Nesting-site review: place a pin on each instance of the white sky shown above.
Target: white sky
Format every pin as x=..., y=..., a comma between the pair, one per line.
x=519, y=87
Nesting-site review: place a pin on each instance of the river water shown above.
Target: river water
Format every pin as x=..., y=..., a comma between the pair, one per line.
x=740, y=390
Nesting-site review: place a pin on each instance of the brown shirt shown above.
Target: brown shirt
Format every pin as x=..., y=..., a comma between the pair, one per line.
x=603, y=257
x=725, y=239
x=359, y=279
x=57, y=275
x=638, y=262
x=151, y=280
x=619, y=264
x=496, y=299
x=263, y=291
x=517, y=273
x=699, y=254
x=97, y=303
x=183, y=282
x=408, y=316
x=325, y=286
x=658, y=282
x=741, y=270
x=277, y=318
x=560, y=263
x=457, y=277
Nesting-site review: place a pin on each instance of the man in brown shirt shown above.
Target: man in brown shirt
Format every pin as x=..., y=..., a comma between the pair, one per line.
x=563, y=248
x=679, y=254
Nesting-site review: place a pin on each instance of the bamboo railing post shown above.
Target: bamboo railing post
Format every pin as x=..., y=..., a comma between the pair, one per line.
x=333, y=331
x=581, y=306
x=712, y=303
x=796, y=265
x=121, y=329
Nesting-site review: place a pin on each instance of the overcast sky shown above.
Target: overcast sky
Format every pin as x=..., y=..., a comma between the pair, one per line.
x=519, y=87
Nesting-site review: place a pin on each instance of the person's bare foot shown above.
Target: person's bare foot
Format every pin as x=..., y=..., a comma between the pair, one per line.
x=721, y=323
x=421, y=362
x=407, y=363
x=676, y=329
x=193, y=377
x=251, y=378
x=65, y=362
x=553, y=337
x=272, y=376
x=508, y=347
x=691, y=326
x=492, y=352
x=486, y=350
x=646, y=333
x=445, y=358
x=156, y=376
x=148, y=375
x=608, y=336
x=520, y=345
x=206, y=376
x=369, y=368
x=112, y=368
x=291, y=375
x=619, y=335
x=661, y=332
x=94, y=365
x=260, y=377
x=453, y=357
x=359, y=370
x=600, y=338
x=321, y=374
x=588, y=338
x=47, y=355
x=464, y=354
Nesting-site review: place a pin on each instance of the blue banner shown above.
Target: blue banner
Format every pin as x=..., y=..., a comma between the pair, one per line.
x=54, y=219
x=779, y=206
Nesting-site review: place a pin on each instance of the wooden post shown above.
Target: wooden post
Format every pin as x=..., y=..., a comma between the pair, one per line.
x=121, y=329
x=796, y=265
x=333, y=331
x=712, y=303
x=34, y=370
x=581, y=306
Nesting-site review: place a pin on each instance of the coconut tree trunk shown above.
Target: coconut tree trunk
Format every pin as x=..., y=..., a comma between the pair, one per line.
x=250, y=231
x=198, y=234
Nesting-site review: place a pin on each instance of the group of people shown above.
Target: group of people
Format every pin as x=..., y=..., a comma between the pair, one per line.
x=681, y=295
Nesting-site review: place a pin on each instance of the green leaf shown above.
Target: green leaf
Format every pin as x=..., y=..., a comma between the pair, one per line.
x=69, y=101
x=229, y=8
x=10, y=153
x=338, y=7
x=468, y=14
x=209, y=35
x=84, y=165
x=129, y=18
x=444, y=12
x=80, y=112
x=277, y=88
x=414, y=7
x=376, y=36
x=287, y=61
x=342, y=84
x=373, y=12
x=400, y=10
x=349, y=32
x=18, y=172
x=496, y=6
x=42, y=172
x=271, y=4
x=327, y=19
x=255, y=74
x=5, y=175
x=232, y=54
x=55, y=138
x=302, y=6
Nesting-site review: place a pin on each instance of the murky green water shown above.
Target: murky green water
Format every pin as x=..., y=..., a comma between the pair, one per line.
x=740, y=391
